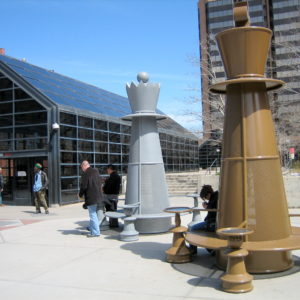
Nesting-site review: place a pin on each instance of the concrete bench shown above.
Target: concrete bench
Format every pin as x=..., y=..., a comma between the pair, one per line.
x=211, y=240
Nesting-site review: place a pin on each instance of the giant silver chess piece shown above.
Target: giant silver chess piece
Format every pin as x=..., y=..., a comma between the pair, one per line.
x=146, y=182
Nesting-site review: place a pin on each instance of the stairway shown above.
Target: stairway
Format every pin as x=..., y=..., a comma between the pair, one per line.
x=182, y=183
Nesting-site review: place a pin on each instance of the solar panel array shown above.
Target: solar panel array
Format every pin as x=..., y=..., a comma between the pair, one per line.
x=67, y=91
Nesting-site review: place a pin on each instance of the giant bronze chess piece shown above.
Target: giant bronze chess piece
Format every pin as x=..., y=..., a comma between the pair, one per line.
x=252, y=194
x=252, y=213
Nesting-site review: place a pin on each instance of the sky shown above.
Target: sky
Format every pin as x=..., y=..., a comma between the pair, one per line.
x=107, y=42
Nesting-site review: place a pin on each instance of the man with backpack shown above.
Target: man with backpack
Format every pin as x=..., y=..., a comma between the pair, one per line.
x=39, y=188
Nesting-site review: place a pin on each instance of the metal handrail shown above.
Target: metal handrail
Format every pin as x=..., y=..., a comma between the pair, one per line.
x=209, y=168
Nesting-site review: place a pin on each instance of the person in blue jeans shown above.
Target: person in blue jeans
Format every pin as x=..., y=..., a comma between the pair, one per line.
x=90, y=189
x=210, y=201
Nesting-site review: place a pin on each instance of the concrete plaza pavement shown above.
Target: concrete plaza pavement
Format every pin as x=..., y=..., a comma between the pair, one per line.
x=49, y=257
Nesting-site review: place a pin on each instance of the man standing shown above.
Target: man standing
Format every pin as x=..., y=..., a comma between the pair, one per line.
x=1, y=186
x=90, y=188
x=39, y=188
x=111, y=190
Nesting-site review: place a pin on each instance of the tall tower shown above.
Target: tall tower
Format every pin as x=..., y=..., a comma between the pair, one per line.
x=146, y=182
x=283, y=18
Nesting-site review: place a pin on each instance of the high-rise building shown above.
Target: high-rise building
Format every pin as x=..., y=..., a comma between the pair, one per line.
x=283, y=18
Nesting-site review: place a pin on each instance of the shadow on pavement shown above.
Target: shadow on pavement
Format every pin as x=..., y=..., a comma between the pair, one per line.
x=206, y=282
x=73, y=232
x=203, y=266
x=148, y=250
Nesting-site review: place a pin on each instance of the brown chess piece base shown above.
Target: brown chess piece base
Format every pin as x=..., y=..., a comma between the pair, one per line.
x=179, y=252
x=236, y=279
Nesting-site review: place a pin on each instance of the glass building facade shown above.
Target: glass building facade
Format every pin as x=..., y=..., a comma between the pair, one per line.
x=32, y=99
x=283, y=18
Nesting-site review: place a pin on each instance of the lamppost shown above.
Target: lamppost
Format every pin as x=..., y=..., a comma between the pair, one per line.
x=218, y=157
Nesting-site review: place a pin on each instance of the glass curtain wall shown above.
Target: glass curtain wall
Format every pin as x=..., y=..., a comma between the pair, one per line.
x=98, y=141
x=23, y=121
x=104, y=142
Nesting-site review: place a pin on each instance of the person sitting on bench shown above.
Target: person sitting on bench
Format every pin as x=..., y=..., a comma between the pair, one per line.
x=210, y=201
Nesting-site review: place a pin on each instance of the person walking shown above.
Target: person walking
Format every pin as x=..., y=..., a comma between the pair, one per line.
x=1, y=186
x=39, y=188
x=111, y=189
x=90, y=189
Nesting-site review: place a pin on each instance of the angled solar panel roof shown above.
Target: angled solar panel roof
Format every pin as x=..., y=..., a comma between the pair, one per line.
x=65, y=91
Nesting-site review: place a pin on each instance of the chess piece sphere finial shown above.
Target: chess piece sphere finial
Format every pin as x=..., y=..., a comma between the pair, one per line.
x=143, y=76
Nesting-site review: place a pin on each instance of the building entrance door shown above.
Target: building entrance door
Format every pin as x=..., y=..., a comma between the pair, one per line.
x=18, y=179
x=22, y=182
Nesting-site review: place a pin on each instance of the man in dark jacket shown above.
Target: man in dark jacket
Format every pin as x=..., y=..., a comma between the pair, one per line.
x=111, y=189
x=90, y=189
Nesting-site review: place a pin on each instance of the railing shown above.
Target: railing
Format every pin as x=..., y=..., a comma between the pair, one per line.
x=210, y=167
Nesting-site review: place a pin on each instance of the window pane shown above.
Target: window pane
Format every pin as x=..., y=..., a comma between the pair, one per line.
x=126, y=129
x=6, y=108
x=125, y=149
x=6, y=121
x=68, y=170
x=30, y=105
x=101, y=147
x=99, y=124
x=115, y=138
x=114, y=127
x=31, y=131
x=67, y=119
x=85, y=134
x=101, y=136
x=6, y=133
x=5, y=146
x=115, y=159
x=33, y=118
x=69, y=196
x=69, y=183
x=125, y=139
x=114, y=148
x=6, y=95
x=5, y=83
x=31, y=144
x=68, y=131
x=101, y=159
x=20, y=94
x=69, y=157
x=85, y=122
x=68, y=144
x=125, y=159
x=85, y=146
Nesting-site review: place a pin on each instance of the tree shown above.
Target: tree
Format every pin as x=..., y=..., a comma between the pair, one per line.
x=285, y=103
